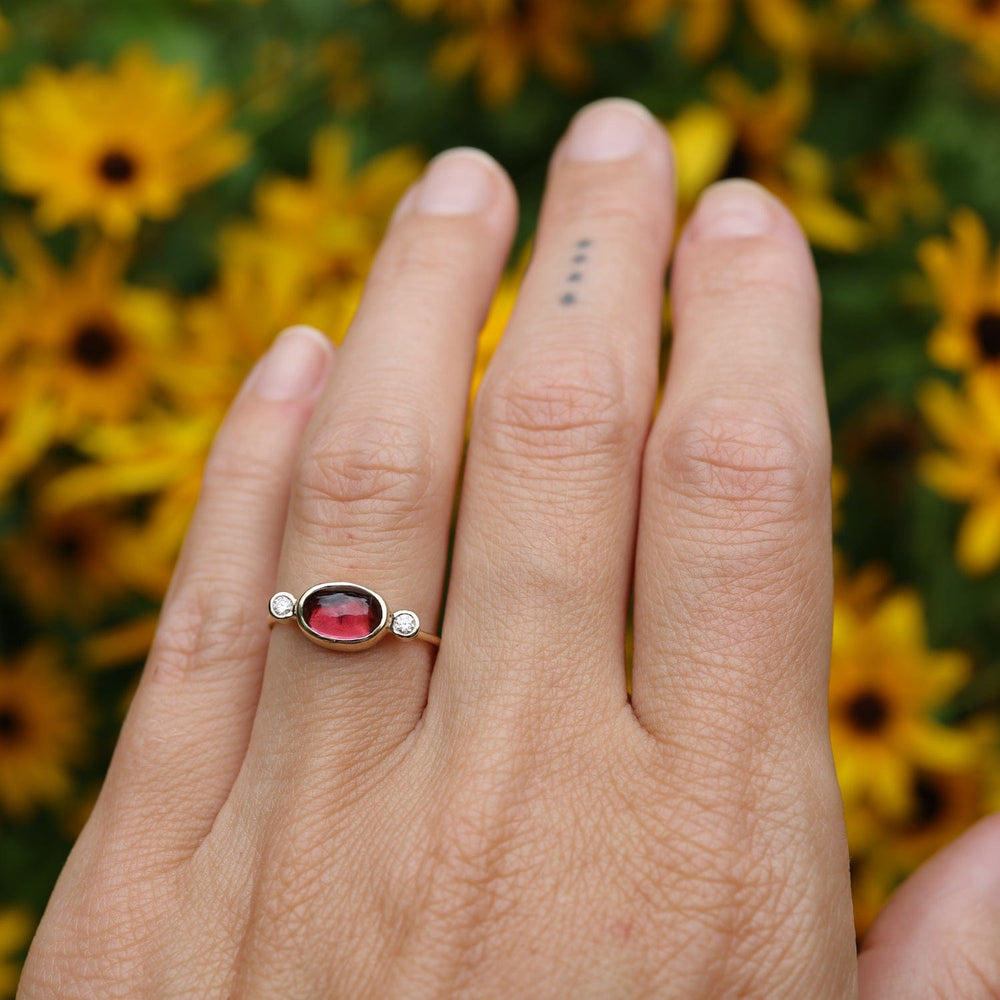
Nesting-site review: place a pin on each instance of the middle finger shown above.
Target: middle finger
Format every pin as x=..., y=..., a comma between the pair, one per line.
x=544, y=547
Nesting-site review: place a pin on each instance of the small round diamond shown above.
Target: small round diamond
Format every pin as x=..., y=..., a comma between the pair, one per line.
x=405, y=624
x=282, y=605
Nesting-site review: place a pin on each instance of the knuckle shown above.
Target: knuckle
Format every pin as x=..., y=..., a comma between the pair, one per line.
x=755, y=464
x=202, y=628
x=563, y=407
x=746, y=489
x=366, y=467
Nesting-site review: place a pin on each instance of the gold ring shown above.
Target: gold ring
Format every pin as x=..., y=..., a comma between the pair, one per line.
x=346, y=616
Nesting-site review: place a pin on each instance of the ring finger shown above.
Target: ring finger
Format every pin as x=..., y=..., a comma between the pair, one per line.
x=373, y=492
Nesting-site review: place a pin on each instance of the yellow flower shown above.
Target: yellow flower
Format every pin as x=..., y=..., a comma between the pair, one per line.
x=967, y=423
x=27, y=419
x=301, y=260
x=783, y=24
x=755, y=135
x=947, y=802
x=642, y=17
x=341, y=58
x=885, y=685
x=862, y=591
x=944, y=805
x=976, y=22
x=92, y=343
x=43, y=715
x=121, y=645
x=893, y=183
x=67, y=565
x=263, y=286
x=964, y=275
x=16, y=929
x=116, y=145
x=159, y=461
x=333, y=221
x=499, y=40
x=789, y=27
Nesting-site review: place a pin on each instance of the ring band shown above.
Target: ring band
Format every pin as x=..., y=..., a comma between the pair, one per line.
x=346, y=616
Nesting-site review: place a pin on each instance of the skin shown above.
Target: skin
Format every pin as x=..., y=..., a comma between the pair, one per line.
x=281, y=820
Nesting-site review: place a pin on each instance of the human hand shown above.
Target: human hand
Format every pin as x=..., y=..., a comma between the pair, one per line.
x=282, y=820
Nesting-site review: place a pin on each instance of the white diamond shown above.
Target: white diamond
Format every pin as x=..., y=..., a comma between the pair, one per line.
x=282, y=605
x=405, y=624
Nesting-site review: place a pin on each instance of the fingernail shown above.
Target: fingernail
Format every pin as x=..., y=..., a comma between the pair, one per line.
x=293, y=367
x=612, y=129
x=732, y=210
x=458, y=182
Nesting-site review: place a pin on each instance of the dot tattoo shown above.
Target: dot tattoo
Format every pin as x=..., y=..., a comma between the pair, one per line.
x=576, y=273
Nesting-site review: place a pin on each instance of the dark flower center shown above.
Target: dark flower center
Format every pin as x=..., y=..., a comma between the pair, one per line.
x=96, y=346
x=890, y=446
x=11, y=725
x=739, y=163
x=879, y=166
x=68, y=545
x=930, y=801
x=987, y=330
x=117, y=167
x=868, y=712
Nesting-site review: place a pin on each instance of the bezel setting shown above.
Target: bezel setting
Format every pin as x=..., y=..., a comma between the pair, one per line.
x=352, y=644
x=404, y=624
x=282, y=605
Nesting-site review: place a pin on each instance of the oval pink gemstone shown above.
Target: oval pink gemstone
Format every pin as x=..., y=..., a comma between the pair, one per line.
x=336, y=613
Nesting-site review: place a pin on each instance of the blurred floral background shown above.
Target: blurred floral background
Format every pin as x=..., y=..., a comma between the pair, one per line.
x=181, y=179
